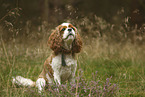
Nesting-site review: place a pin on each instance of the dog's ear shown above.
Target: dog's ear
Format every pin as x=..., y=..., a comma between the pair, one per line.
x=55, y=40
x=77, y=44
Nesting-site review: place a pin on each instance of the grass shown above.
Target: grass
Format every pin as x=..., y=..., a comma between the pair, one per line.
x=109, y=64
x=126, y=72
x=129, y=76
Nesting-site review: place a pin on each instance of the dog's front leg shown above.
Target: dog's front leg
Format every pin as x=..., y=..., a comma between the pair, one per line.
x=40, y=84
x=72, y=77
x=57, y=78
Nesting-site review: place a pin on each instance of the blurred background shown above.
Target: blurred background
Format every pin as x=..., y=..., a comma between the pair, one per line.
x=56, y=10
x=20, y=18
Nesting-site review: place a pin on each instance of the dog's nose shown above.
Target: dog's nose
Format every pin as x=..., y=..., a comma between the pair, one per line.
x=69, y=30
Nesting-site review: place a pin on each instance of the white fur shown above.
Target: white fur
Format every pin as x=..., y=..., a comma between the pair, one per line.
x=21, y=81
x=49, y=79
x=66, y=32
x=40, y=84
x=65, y=24
x=63, y=73
x=67, y=37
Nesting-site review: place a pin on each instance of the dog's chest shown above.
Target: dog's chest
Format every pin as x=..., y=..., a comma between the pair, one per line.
x=64, y=71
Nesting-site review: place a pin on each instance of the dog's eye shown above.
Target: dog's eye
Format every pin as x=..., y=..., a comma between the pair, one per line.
x=73, y=28
x=63, y=29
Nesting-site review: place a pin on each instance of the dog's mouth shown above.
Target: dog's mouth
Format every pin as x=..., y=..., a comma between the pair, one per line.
x=70, y=34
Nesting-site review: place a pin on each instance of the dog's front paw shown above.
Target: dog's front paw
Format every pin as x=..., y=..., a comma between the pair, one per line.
x=40, y=84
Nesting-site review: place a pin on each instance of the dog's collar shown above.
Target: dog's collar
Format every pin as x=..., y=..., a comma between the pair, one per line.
x=63, y=60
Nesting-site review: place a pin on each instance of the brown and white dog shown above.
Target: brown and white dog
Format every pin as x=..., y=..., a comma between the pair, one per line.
x=61, y=66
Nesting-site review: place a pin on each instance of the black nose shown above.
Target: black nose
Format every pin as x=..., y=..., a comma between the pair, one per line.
x=69, y=30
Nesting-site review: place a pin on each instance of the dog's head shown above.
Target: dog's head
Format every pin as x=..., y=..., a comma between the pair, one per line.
x=65, y=39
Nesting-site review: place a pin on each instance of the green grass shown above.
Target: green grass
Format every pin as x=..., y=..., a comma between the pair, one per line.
x=128, y=74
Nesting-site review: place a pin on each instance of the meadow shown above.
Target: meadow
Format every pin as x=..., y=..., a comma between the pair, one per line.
x=111, y=63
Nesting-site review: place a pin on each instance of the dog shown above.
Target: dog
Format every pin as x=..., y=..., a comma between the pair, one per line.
x=61, y=65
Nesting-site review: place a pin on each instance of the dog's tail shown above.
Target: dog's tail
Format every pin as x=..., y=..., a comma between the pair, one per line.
x=21, y=81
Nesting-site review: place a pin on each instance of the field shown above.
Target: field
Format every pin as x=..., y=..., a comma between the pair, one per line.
x=108, y=65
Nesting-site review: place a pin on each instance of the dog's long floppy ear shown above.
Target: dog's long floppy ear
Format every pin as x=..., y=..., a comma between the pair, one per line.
x=55, y=40
x=77, y=44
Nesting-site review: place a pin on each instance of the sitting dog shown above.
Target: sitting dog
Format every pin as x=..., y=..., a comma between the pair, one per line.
x=61, y=66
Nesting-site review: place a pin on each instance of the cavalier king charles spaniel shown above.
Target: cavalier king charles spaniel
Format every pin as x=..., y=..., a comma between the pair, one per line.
x=61, y=66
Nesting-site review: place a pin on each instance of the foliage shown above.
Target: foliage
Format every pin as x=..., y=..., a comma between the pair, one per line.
x=84, y=88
